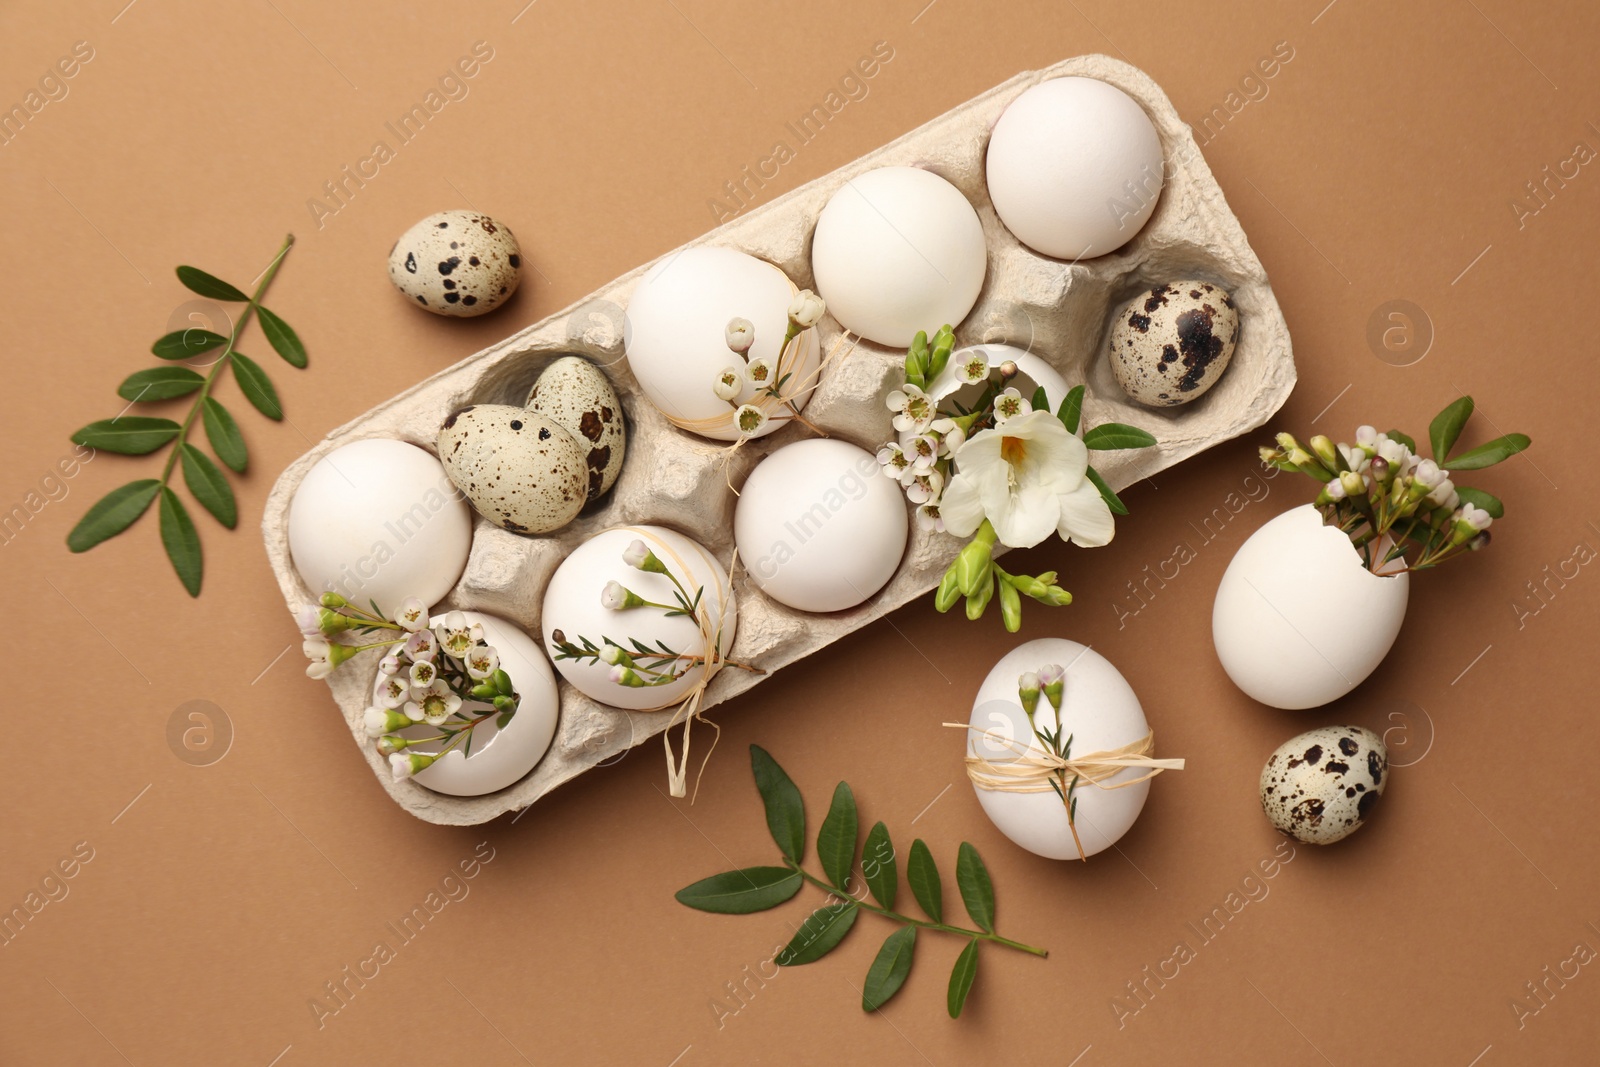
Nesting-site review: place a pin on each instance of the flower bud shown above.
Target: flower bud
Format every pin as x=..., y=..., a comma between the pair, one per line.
x=806, y=309
x=1324, y=450
x=333, y=600
x=1028, y=692
x=972, y=567
x=741, y=334
x=949, y=590
x=1010, y=607
x=502, y=683
x=406, y=764
x=978, y=599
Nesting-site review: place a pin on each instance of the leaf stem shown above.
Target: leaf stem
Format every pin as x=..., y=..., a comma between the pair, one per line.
x=225, y=359
x=909, y=921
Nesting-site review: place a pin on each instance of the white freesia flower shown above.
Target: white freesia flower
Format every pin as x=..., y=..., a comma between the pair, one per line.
x=914, y=410
x=1026, y=477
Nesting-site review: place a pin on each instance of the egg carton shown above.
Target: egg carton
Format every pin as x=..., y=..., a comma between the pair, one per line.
x=1057, y=309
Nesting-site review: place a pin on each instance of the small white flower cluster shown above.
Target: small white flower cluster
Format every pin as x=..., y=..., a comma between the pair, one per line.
x=427, y=676
x=763, y=377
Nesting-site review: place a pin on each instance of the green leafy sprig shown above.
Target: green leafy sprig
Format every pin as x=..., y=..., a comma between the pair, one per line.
x=1400, y=510
x=754, y=889
x=138, y=435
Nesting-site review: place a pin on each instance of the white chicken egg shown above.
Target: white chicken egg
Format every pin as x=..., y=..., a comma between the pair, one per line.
x=1074, y=168
x=898, y=250
x=1100, y=711
x=498, y=758
x=1298, y=620
x=573, y=604
x=378, y=520
x=675, y=334
x=818, y=526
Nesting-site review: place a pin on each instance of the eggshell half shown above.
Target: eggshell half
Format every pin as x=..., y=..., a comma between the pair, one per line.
x=1298, y=621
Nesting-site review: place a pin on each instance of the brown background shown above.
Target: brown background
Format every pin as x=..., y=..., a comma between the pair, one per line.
x=1381, y=164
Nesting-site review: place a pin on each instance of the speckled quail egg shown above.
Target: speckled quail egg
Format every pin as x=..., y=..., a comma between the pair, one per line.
x=458, y=263
x=576, y=394
x=522, y=471
x=1320, y=787
x=1171, y=344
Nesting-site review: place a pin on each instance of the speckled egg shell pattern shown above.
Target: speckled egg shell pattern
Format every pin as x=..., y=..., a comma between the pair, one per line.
x=522, y=471
x=1171, y=344
x=1320, y=787
x=576, y=394
x=458, y=263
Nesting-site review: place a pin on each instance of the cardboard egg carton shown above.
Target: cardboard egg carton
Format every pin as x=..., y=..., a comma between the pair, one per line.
x=1057, y=309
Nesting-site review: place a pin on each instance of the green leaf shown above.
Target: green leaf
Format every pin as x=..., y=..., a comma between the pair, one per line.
x=209, y=485
x=878, y=865
x=181, y=344
x=1487, y=455
x=1403, y=438
x=1113, y=501
x=256, y=386
x=197, y=280
x=1071, y=409
x=284, y=340
x=889, y=968
x=1115, y=435
x=966, y=969
x=1479, y=499
x=223, y=433
x=922, y=874
x=742, y=892
x=836, y=841
x=1040, y=401
x=128, y=435
x=1446, y=427
x=786, y=812
x=977, y=892
x=181, y=540
x=160, y=383
x=817, y=936
x=112, y=514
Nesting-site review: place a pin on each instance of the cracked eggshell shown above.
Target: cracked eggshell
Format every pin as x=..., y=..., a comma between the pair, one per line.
x=499, y=757
x=577, y=395
x=1171, y=344
x=898, y=250
x=457, y=263
x=379, y=520
x=1074, y=168
x=522, y=471
x=675, y=333
x=1100, y=711
x=572, y=605
x=1321, y=786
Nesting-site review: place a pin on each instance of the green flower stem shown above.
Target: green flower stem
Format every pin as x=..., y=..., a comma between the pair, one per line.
x=909, y=921
x=225, y=359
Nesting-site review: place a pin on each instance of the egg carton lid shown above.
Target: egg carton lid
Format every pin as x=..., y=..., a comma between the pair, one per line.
x=1060, y=310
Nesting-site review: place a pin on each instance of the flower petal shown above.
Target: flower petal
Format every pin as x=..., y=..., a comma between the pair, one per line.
x=1025, y=517
x=1085, y=518
x=960, y=507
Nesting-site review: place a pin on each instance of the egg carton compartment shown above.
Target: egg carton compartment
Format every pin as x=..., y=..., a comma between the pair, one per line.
x=1056, y=309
